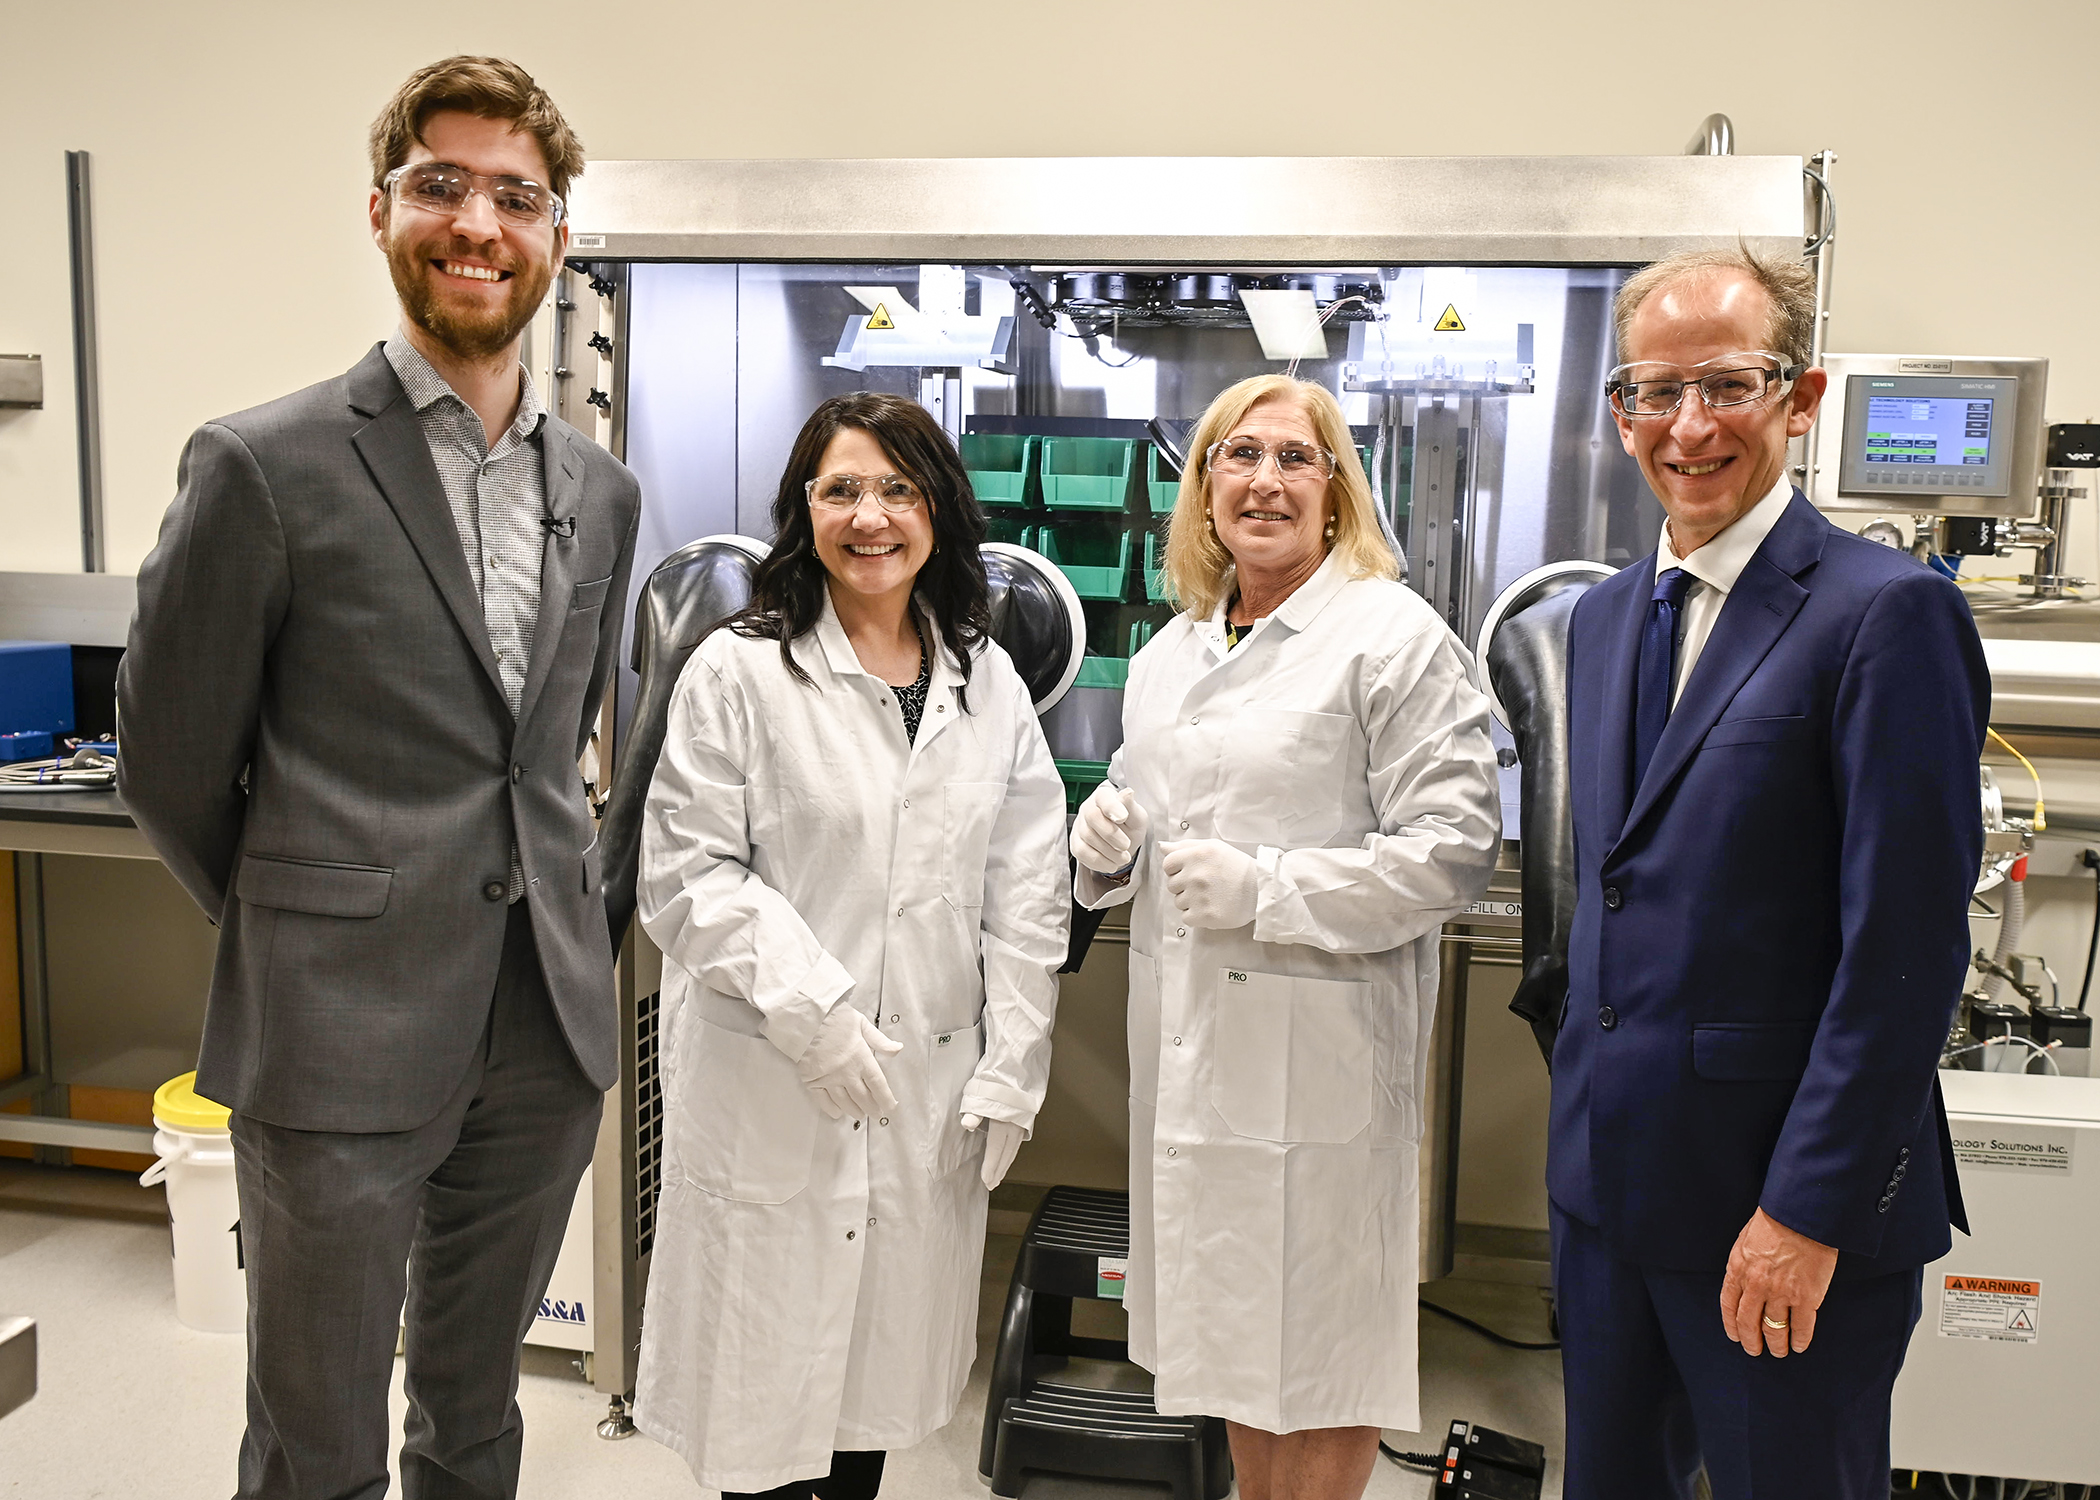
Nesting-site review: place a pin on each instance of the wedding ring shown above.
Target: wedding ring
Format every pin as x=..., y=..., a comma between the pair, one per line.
x=1779, y=1325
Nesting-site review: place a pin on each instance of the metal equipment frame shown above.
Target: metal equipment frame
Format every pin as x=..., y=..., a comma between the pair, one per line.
x=1226, y=213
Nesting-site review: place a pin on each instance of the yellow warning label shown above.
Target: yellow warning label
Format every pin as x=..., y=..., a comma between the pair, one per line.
x=882, y=318
x=1450, y=322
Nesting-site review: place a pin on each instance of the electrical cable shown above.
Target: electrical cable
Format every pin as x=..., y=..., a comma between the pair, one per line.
x=1828, y=218
x=1427, y=1461
x=1484, y=1331
x=2091, y=858
x=2041, y=820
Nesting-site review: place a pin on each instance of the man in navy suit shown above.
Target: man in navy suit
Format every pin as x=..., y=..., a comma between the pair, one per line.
x=1773, y=735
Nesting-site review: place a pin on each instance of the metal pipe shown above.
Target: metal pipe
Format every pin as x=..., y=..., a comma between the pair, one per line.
x=1714, y=137
x=87, y=372
x=1826, y=236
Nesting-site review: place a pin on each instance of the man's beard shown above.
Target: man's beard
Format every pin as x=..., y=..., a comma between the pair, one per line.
x=467, y=333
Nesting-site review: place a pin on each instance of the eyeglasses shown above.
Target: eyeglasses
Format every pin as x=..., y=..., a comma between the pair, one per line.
x=1242, y=458
x=893, y=492
x=440, y=188
x=1651, y=389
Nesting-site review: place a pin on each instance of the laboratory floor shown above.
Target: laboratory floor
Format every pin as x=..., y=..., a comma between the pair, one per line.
x=132, y=1403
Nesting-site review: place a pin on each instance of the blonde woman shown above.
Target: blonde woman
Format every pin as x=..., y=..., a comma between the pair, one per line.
x=1304, y=794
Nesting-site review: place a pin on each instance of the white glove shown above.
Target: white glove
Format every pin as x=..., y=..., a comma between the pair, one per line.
x=1002, y=1139
x=840, y=1067
x=1109, y=830
x=1211, y=882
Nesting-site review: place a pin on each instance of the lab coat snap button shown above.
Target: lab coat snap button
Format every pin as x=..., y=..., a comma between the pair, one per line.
x=1184, y=827
x=907, y=802
x=1181, y=932
x=1177, y=1041
x=856, y=1124
x=849, y=1234
x=517, y=774
x=884, y=1120
x=1173, y=1151
x=1607, y=1017
x=871, y=1223
x=1612, y=899
x=495, y=890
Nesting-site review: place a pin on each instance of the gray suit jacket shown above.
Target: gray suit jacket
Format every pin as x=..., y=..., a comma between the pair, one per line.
x=315, y=740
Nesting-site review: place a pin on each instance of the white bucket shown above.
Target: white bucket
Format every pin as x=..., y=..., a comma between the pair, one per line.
x=204, y=1210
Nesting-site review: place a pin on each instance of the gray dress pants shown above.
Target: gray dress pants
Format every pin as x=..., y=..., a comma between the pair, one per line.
x=463, y=1215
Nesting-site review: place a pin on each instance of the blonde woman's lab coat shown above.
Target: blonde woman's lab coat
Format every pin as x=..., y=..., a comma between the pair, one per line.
x=814, y=1281
x=1276, y=1071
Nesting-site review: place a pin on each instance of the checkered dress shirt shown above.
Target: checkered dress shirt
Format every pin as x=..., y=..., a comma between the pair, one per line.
x=498, y=498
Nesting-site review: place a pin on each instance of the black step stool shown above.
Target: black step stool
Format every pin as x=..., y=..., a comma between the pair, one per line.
x=1033, y=1421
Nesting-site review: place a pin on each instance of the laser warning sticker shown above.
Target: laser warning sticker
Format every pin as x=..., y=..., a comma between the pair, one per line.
x=1985, y=1307
x=2019, y=1148
x=1109, y=1271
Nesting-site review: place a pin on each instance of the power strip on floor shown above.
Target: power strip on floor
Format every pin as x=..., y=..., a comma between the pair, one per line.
x=1483, y=1464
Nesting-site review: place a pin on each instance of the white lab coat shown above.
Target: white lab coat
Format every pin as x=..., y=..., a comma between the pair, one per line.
x=813, y=1284
x=1276, y=1071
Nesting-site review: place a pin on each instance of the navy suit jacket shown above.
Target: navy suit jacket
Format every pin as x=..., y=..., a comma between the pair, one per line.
x=1771, y=930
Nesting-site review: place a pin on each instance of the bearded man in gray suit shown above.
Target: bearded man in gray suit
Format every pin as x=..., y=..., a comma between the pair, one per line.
x=371, y=645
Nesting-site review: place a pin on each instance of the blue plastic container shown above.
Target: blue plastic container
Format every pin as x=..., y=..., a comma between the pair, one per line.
x=36, y=687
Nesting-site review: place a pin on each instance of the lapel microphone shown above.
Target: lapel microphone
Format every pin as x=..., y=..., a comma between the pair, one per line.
x=564, y=526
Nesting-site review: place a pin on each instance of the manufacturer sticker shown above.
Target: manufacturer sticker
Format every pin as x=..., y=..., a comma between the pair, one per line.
x=586, y=242
x=1109, y=1273
x=2018, y=1148
x=1986, y=1307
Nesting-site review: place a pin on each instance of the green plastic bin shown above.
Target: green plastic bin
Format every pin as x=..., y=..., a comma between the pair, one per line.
x=1086, y=473
x=1088, y=565
x=1140, y=635
x=1080, y=778
x=1009, y=529
x=1102, y=672
x=1162, y=490
x=1155, y=568
x=999, y=464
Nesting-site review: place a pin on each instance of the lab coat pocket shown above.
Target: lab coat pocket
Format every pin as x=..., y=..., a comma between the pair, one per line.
x=968, y=809
x=1279, y=769
x=743, y=1125
x=1292, y=1057
x=951, y=1062
x=1141, y=1028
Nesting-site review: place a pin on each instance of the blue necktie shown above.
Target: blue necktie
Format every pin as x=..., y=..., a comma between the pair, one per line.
x=1651, y=703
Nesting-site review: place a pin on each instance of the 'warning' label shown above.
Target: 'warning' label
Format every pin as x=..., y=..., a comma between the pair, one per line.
x=1450, y=322
x=1987, y=1307
x=882, y=318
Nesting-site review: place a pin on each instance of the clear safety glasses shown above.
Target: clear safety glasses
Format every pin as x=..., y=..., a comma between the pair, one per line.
x=1650, y=389
x=1242, y=458
x=440, y=188
x=893, y=492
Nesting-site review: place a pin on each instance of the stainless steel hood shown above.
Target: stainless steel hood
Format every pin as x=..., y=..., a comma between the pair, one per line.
x=1435, y=210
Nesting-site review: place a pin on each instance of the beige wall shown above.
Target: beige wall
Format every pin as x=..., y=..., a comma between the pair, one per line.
x=227, y=143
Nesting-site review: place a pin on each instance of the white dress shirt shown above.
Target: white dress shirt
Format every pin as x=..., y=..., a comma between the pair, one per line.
x=1714, y=568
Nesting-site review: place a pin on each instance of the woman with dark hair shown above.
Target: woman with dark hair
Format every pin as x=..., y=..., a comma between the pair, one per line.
x=852, y=862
